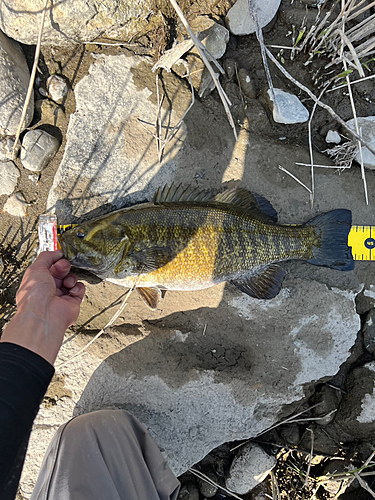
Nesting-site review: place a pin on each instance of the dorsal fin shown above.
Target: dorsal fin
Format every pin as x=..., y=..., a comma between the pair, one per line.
x=239, y=197
x=179, y=194
x=248, y=201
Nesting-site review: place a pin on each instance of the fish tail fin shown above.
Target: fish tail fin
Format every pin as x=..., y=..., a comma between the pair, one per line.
x=330, y=248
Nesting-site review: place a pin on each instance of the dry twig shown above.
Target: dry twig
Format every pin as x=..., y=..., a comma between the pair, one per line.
x=31, y=82
x=209, y=481
x=259, y=35
x=110, y=323
x=321, y=104
x=310, y=457
x=296, y=179
x=202, y=52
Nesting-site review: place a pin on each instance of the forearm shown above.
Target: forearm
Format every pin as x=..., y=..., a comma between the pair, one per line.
x=24, y=378
x=38, y=334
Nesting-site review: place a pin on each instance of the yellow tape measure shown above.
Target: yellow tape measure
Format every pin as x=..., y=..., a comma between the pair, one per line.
x=361, y=239
x=62, y=228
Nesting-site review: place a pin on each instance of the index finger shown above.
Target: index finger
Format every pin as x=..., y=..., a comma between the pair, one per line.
x=47, y=259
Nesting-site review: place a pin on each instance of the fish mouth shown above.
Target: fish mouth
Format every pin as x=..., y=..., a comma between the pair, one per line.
x=69, y=252
x=62, y=245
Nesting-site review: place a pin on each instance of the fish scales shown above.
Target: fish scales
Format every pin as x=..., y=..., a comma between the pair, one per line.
x=208, y=244
x=190, y=244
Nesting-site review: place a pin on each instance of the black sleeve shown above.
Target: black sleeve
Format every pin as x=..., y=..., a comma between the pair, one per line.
x=24, y=378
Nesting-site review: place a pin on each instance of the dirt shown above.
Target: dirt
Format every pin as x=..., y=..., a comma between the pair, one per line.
x=19, y=237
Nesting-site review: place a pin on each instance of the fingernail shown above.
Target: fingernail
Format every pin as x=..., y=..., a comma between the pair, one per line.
x=69, y=282
x=74, y=289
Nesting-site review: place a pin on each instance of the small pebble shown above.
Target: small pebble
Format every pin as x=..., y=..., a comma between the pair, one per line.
x=333, y=137
x=34, y=178
x=367, y=127
x=57, y=88
x=289, y=108
x=38, y=148
x=246, y=84
x=206, y=489
x=229, y=66
x=9, y=175
x=188, y=492
x=249, y=468
x=16, y=205
x=52, y=113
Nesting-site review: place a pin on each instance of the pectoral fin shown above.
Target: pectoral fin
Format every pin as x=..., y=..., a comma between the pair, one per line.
x=265, y=284
x=150, y=259
x=151, y=296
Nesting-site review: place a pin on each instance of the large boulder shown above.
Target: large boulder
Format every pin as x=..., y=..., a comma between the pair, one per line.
x=14, y=81
x=209, y=366
x=73, y=21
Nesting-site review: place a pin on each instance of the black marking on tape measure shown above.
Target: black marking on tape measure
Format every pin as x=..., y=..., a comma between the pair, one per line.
x=370, y=243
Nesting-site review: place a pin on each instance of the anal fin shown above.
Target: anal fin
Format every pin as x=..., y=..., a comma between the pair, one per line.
x=266, y=284
x=151, y=296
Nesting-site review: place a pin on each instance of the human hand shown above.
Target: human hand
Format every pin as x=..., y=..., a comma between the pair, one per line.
x=48, y=302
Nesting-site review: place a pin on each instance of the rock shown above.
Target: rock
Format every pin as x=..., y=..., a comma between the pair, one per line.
x=369, y=332
x=188, y=492
x=356, y=415
x=20, y=19
x=367, y=124
x=257, y=118
x=229, y=66
x=289, y=108
x=34, y=178
x=238, y=18
x=328, y=400
x=57, y=88
x=207, y=84
x=290, y=434
x=14, y=81
x=205, y=383
x=6, y=148
x=333, y=137
x=105, y=131
x=9, y=175
x=16, y=205
x=365, y=300
x=247, y=84
x=51, y=113
x=215, y=37
x=249, y=468
x=38, y=148
x=324, y=443
x=206, y=489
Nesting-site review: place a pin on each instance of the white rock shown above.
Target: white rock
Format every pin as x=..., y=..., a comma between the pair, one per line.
x=9, y=175
x=16, y=205
x=57, y=88
x=14, y=81
x=249, y=468
x=333, y=137
x=289, y=108
x=238, y=18
x=38, y=148
x=367, y=124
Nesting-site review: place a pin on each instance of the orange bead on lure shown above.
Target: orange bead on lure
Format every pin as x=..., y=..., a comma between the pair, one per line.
x=189, y=240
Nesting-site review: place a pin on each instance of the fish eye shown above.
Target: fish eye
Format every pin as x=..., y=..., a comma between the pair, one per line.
x=81, y=234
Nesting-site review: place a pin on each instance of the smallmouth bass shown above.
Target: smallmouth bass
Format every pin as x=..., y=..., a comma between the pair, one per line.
x=187, y=239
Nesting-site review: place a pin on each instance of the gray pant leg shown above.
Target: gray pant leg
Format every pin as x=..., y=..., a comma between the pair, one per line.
x=104, y=455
